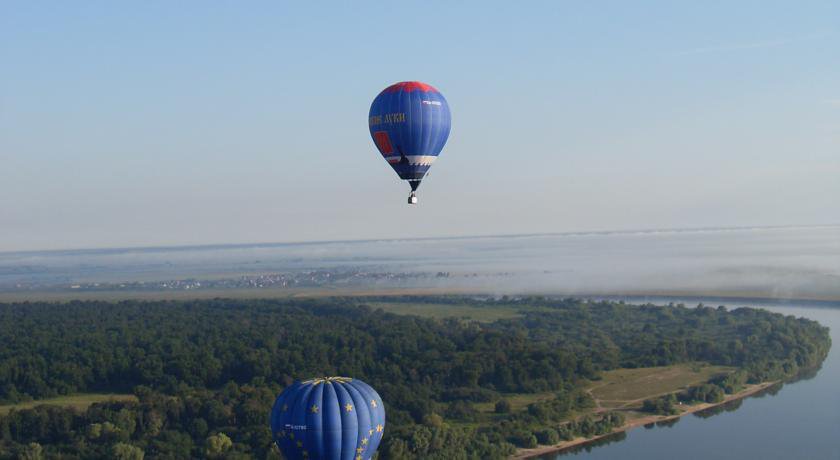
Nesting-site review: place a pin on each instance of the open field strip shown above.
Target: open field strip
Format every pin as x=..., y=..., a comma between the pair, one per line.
x=79, y=401
x=628, y=388
x=748, y=390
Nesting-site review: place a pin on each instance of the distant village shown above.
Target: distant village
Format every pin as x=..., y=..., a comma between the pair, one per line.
x=302, y=279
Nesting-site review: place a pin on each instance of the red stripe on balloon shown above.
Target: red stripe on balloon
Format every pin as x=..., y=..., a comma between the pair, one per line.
x=383, y=142
x=409, y=86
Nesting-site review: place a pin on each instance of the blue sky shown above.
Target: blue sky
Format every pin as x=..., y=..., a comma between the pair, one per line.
x=153, y=123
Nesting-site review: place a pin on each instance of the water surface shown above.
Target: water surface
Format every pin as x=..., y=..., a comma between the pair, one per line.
x=799, y=421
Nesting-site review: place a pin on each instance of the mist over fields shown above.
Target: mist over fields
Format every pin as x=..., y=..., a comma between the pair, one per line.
x=791, y=262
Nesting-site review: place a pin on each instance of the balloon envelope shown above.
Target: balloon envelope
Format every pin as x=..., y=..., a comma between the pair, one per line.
x=409, y=123
x=330, y=418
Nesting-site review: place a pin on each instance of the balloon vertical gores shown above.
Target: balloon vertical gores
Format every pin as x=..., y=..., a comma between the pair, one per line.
x=329, y=418
x=409, y=123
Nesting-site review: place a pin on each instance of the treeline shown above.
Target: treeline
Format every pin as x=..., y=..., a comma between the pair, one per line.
x=225, y=423
x=713, y=391
x=769, y=346
x=54, y=349
x=206, y=372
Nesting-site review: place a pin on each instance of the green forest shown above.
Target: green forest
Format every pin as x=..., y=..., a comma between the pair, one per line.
x=205, y=373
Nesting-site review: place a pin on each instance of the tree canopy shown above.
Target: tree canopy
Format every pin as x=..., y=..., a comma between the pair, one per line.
x=206, y=372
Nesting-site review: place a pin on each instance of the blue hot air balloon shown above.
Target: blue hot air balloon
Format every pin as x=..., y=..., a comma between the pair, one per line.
x=409, y=123
x=330, y=418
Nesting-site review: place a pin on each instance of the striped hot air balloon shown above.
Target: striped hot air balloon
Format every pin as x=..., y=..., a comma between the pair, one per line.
x=409, y=123
x=329, y=418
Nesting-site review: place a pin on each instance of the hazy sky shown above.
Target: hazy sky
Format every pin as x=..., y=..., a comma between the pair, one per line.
x=149, y=123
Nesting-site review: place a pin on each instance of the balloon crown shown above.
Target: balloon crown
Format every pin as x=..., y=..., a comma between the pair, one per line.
x=410, y=86
x=330, y=380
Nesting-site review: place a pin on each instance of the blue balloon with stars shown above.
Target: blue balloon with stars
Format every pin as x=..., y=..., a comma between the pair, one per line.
x=329, y=418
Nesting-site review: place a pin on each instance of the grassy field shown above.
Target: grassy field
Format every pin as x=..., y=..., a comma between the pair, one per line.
x=518, y=401
x=79, y=401
x=432, y=310
x=623, y=388
x=626, y=389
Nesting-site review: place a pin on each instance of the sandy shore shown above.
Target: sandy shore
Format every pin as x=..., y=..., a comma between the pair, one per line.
x=637, y=422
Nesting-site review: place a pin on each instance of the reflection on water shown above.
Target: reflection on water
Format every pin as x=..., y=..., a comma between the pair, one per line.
x=586, y=448
x=797, y=419
x=668, y=423
x=726, y=407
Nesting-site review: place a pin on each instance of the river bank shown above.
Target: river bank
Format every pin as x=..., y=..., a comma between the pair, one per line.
x=523, y=454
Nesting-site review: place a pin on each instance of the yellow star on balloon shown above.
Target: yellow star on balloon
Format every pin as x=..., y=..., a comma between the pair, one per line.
x=378, y=428
x=364, y=441
x=314, y=409
x=373, y=402
x=348, y=407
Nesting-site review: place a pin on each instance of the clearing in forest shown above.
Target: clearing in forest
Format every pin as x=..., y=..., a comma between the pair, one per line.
x=488, y=314
x=78, y=401
x=625, y=388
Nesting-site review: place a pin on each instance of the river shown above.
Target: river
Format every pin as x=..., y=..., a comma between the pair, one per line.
x=800, y=420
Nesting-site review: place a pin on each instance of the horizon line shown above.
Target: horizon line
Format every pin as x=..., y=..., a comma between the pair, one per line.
x=187, y=247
